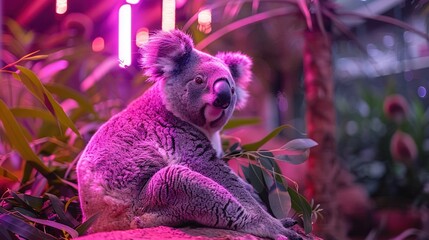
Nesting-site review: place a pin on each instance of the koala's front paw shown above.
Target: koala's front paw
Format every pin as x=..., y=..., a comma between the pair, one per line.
x=288, y=222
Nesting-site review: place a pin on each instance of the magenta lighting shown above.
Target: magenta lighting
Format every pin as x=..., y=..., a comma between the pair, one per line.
x=133, y=1
x=61, y=6
x=124, y=43
x=168, y=15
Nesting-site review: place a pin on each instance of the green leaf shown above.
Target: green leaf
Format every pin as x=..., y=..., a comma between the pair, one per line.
x=33, y=83
x=19, y=142
x=255, y=146
x=238, y=122
x=300, y=144
x=58, y=207
x=36, y=203
x=37, y=57
x=23, y=229
x=256, y=178
x=4, y=234
x=280, y=203
x=66, y=92
x=81, y=229
x=300, y=205
x=73, y=233
x=33, y=113
x=296, y=151
x=5, y=173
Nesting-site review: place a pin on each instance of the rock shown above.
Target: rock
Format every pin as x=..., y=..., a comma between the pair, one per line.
x=163, y=232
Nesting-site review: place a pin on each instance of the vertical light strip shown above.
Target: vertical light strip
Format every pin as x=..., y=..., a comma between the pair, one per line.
x=133, y=1
x=61, y=6
x=168, y=15
x=124, y=33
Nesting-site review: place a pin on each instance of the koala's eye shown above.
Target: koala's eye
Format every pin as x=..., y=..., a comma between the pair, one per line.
x=199, y=80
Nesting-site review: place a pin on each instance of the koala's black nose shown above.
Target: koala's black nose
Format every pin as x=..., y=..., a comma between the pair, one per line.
x=223, y=93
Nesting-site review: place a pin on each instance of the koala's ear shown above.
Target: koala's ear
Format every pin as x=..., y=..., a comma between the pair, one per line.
x=240, y=66
x=165, y=53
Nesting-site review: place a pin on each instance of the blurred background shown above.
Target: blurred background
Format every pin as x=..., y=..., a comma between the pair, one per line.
x=349, y=73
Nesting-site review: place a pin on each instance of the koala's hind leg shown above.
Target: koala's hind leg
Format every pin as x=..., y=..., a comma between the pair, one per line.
x=176, y=195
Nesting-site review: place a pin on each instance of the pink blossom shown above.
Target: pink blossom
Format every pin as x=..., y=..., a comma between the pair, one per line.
x=396, y=108
x=403, y=147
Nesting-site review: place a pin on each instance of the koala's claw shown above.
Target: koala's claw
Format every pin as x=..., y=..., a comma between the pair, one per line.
x=288, y=222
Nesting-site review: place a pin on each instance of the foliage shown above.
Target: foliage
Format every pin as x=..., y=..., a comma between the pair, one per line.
x=48, y=114
x=264, y=174
x=371, y=154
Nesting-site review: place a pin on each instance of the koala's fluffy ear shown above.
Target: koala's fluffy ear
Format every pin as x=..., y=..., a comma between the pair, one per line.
x=240, y=66
x=165, y=53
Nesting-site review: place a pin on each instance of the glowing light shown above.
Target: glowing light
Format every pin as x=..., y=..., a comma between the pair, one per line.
x=98, y=44
x=133, y=1
x=205, y=20
x=168, y=15
x=142, y=36
x=421, y=91
x=61, y=6
x=124, y=44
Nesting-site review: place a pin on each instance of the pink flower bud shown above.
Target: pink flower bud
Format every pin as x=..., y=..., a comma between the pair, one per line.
x=396, y=108
x=403, y=147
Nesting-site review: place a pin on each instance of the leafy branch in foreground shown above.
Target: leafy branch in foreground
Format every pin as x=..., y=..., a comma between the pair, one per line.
x=263, y=173
x=45, y=217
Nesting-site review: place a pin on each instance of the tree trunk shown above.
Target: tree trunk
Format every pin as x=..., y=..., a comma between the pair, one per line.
x=323, y=164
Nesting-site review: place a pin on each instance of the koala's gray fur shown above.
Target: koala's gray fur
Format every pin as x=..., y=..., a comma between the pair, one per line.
x=157, y=162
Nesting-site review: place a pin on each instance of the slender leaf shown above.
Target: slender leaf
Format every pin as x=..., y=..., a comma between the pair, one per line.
x=256, y=178
x=238, y=122
x=33, y=83
x=73, y=233
x=306, y=12
x=23, y=229
x=36, y=203
x=58, y=207
x=4, y=234
x=81, y=229
x=66, y=92
x=37, y=57
x=18, y=140
x=255, y=146
x=33, y=113
x=300, y=205
x=5, y=173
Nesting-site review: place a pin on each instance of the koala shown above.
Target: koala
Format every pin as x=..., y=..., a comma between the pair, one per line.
x=158, y=162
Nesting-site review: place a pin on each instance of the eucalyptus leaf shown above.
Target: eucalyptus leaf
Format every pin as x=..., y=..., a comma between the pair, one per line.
x=81, y=229
x=300, y=205
x=18, y=140
x=33, y=113
x=238, y=122
x=295, y=159
x=255, y=146
x=6, y=174
x=59, y=207
x=73, y=233
x=300, y=144
x=256, y=178
x=66, y=92
x=23, y=229
x=33, y=83
x=280, y=203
